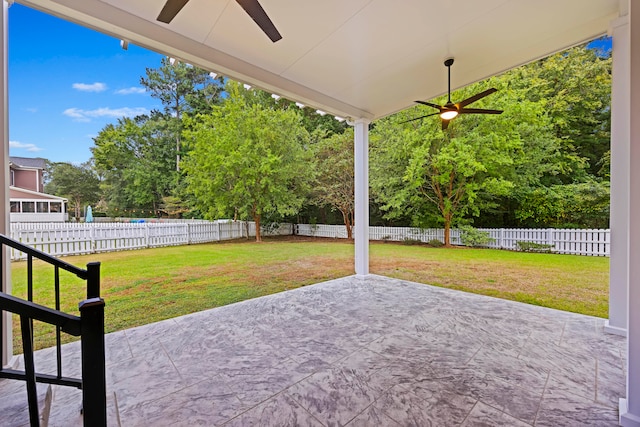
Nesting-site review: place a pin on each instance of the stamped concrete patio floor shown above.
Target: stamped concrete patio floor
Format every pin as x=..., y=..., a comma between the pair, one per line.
x=374, y=352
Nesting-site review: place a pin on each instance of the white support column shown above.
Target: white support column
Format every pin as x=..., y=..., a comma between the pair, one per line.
x=630, y=407
x=361, y=153
x=620, y=167
x=7, y=339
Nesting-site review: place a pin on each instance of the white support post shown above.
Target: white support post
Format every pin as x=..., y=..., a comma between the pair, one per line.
x=620, y=167
x=630, y=407
x=7, y=339
x=361, y=226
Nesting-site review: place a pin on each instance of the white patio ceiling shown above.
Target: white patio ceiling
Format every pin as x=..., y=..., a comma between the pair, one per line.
x=352, y=58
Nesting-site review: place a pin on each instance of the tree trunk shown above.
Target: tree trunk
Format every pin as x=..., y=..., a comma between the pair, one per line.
x=347, y=224
x=256, y=219
x=447, y=231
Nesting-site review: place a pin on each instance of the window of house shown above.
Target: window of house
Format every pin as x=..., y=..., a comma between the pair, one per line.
x=42, y=207
x=55, y=207
x=28, y=207
x=15, y=206
x=13, y=178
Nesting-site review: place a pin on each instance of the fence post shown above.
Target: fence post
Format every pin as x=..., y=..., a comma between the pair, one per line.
x=550, y=240
x=94, y=389
x=188, y=234
x=146, y=235
x=92, y=240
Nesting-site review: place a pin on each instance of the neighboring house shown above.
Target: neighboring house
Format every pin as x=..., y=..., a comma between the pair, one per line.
x=28, y=201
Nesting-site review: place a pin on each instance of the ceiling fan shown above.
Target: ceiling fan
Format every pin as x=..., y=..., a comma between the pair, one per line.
x=252, y=7
x=449, y=111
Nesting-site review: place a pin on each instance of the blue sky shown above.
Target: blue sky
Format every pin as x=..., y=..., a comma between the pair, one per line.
x=66, y=83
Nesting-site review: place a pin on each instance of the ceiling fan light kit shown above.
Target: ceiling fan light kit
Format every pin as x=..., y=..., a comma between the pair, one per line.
x=448, y=115
x=450, y=110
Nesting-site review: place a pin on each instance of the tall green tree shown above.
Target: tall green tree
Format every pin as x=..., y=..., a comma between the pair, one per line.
x=435, y=176
x=247, y=159
x=574, y=87
x=135, y=158
x=79, y=184
x=181, y=88
x=334, y=186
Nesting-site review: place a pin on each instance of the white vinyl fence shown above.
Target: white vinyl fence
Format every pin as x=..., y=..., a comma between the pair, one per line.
x=60, y=239
x=561, y=241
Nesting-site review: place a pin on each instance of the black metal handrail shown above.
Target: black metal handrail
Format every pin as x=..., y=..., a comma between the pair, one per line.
x=89, y=326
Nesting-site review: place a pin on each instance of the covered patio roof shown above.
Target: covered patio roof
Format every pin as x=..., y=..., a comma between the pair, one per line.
x=358, y=58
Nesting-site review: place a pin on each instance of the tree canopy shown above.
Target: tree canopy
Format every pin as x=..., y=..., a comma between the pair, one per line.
x=334, y=186
x=247, y=160
x=135, y=159
x=79, y=184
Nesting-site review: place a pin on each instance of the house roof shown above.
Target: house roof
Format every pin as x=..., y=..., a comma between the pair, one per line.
x=28, y=162
x=357, y=58
x=31, y=195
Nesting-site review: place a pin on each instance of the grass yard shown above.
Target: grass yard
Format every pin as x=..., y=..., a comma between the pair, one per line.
x=149, y=285
x=566, y=282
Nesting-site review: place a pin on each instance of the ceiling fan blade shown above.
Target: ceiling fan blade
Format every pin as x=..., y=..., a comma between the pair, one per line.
x=476, y=97
x=430, y=104
x=418, y=118
x=170, y=10
x=478, y=111
x=445, y=124
x=257, y=13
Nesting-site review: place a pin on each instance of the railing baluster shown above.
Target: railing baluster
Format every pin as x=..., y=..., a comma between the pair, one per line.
x=93, y=280
x=30, y=287
x=30, y=277
x=26, y=324
x=58, y=339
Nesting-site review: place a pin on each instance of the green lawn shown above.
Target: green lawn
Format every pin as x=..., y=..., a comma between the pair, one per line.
x=566, y=282
x=149, y=285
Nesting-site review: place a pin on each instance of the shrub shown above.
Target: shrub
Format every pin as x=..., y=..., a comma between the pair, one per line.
x=533, y=247
x=435, y=243
x=409, y=241
x=473, y=237
x=313, y=222
x=269, y=228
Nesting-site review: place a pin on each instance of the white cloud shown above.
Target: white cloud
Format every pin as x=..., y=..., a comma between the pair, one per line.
x=131, y=90
x=28, y=147
x=80, y=115
x=93, y=87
